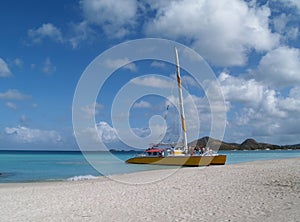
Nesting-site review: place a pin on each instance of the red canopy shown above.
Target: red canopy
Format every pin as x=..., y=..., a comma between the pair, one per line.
x=154, y=150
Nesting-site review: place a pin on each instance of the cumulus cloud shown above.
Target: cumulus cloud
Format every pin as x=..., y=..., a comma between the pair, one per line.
x=47, y=30
x=276, y=120
x=253, y=109
x=77, y=33
x=91, y=110
x=18, y=62
x=142, y=104
x=157, y=132
x=158, y=64
x=106, y=133
x=280, y=67
x=291, y=3
x=222, y=31
x=153, y=81
x=109, y=134
x=249, y=93
x=292, y=33
x=14, y=94
x=24, y=134
x=188, y=81
x=4, y=70
x=115, y=17
x=102, y=132
x=118, y=63
x=256, y=110
x=48, y=67
x=80, y=32
x=11, y=105
x=237, y=89
x=280, y=22
x=291, y=103
x=286, y=26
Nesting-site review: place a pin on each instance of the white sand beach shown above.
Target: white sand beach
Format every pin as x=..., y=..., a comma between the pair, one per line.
x=256, y=191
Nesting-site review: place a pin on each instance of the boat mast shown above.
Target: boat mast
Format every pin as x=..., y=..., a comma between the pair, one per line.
x=183, y=125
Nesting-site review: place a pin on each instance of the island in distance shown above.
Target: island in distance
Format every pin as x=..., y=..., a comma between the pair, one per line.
x=248, y=144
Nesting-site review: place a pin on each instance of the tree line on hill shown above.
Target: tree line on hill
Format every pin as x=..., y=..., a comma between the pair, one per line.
x=248, y=144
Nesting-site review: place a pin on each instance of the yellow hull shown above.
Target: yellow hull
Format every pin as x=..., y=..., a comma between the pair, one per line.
x=180, y=160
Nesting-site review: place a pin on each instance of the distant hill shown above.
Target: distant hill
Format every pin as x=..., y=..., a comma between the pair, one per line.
x=214, y=144
x=248, y=144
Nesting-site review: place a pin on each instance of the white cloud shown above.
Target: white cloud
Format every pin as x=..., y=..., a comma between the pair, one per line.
x=252, y=108
x=91, y=110
x=256, y=110
x=106, y=133
x=221, y=31
x=118, y=63
x=292, y=33
x=269, y=105
x=142, y=104
x=280, y=67
x=277, y=120
x=251, y=94
x=280, y=22
x=4, y=70
x=115, y=17
x=102, y=132
x=23, y=134
x=18, y=62
x=156, y=132
x=284, y=24
x=47, y=30
x=188, y=81
x=296, y=3
x=158, y=64
x=291, y=103
x=291, y=3
x=11, y=105
x=81, y=32
x=237, y=89
x=48, y=67
x=295, y=92
x=14, y=94
x=153, y=81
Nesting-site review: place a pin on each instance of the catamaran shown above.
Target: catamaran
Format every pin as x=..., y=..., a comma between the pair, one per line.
x=179, y=155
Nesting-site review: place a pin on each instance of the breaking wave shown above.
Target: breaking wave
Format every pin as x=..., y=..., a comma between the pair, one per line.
x=84, y=177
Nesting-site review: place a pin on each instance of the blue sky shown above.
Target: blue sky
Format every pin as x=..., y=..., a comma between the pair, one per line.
x=252, y=47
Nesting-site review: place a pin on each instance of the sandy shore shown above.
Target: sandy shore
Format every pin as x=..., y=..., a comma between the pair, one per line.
x=257, y=191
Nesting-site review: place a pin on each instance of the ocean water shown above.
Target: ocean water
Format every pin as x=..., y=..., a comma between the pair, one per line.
x=30, y=166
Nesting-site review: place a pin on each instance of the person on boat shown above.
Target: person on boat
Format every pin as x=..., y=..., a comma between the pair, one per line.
x=161, y=154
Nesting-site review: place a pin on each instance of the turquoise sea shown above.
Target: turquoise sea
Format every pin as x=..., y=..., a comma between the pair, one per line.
x=29, y=166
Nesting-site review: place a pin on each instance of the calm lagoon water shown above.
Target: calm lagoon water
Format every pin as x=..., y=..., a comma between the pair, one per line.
x=25, y=166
